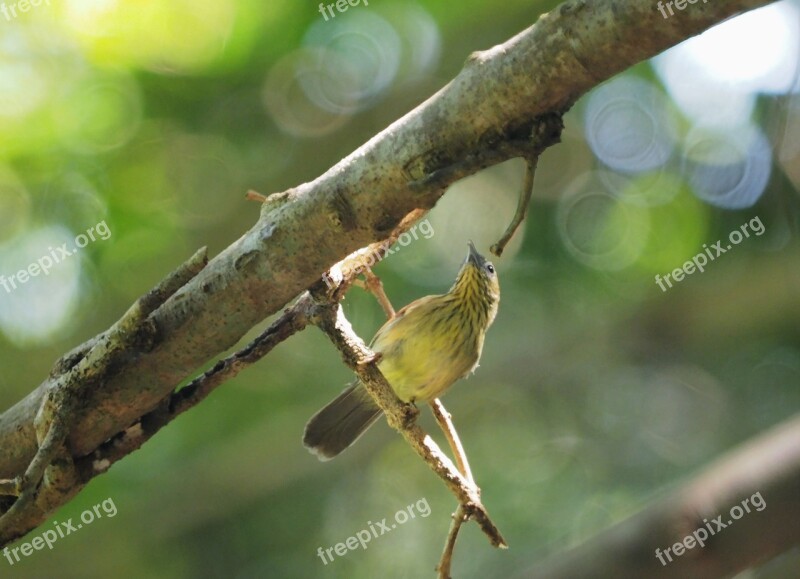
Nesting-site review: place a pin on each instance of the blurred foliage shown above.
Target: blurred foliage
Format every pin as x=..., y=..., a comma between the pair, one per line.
x=597, y=391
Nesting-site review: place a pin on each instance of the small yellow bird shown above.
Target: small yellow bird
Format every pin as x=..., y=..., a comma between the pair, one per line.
x=424, y=349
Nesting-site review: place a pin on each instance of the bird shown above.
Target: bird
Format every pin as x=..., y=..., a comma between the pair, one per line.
x=424, y=349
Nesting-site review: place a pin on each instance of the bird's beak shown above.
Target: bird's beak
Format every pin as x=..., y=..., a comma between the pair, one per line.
x=473, y=256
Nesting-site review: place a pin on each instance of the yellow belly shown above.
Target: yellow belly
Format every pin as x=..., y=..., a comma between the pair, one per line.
x=425, y=351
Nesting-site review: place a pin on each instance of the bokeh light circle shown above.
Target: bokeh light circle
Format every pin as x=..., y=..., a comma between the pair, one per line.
x=360, y=56
x=23, y=87
x=648, y=189
x=599, y=229
x=99, y=115
x=714, y=78
x=36, y=309
x=728, y=169
x=285, y=94
x=628, y=125
x=421, y=38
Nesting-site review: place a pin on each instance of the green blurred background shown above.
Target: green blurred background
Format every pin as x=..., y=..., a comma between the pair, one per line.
x=597, y=390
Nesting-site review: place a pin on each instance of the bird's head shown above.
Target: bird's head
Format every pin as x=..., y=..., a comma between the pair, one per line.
x=477, y=286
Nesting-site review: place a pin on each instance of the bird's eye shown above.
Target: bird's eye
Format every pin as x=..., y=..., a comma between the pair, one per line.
x=489, y=268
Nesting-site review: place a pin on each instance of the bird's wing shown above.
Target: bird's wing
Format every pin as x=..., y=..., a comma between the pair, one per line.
x=412, y=310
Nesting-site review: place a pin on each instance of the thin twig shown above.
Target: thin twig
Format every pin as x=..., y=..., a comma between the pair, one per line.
x=444, y=419
x=458, y=519
x=344, y=273
x=522, y=206
x=375, y=286
x=255, y=196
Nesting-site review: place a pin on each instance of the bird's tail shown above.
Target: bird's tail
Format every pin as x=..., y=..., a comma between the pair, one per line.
x=341, y=422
